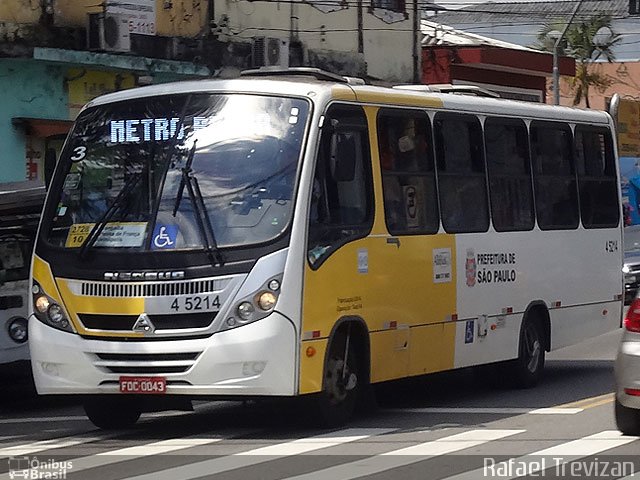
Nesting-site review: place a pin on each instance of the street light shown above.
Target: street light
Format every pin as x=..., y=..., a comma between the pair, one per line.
x=556, y=46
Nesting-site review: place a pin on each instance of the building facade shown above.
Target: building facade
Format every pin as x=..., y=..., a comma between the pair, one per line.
x=56, y=55
x=460, y=58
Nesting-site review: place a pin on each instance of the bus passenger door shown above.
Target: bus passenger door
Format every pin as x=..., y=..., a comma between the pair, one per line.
x=336, y=280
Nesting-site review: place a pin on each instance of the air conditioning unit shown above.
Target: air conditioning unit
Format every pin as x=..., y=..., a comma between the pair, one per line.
x=270, y=52
x=108, y=32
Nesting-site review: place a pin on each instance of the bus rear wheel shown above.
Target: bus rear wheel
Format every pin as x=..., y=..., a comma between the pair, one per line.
x=342, y=383
x=112, y=412
x=527, y=369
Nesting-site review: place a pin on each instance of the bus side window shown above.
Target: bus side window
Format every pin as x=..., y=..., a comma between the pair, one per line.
x=408, y=174
x=554, y=176
x=595, y=162
x=342, y=192
x=509, y=170
x=462, y=183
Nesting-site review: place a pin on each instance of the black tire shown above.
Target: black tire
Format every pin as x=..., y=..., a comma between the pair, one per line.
x=341, y=386
x=112, y=412
x=627, y=419
x=526, y=370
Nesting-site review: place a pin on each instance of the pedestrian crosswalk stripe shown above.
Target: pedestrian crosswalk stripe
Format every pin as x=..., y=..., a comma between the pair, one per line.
x=590, y=445
x=83, y=418
x=129, y=453
x=408, y=455
x=490, y=411
x=561, y=454
x=6, y=421
x=264, y=454
x=62, y=442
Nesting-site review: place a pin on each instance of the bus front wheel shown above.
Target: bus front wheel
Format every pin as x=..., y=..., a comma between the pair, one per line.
x=112, y=412
x=342, y=383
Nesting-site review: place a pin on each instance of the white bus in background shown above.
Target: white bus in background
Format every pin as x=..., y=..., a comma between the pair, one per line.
x=20, y=206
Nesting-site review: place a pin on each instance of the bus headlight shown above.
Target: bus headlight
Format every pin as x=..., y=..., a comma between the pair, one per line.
x=48, y=311
x=267, y=300
x=42, y=303
x=17, y=329
x=245, y=310
x=255, y=306
x=55, y=313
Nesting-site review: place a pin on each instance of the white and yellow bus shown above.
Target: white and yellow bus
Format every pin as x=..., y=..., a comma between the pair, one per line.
x=303, y=234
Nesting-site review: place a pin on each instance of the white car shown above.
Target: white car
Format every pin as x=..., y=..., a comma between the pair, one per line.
x=627, y=372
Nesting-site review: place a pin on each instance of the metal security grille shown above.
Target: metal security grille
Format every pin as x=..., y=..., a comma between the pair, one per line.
x=146, y=363
x=159, y=289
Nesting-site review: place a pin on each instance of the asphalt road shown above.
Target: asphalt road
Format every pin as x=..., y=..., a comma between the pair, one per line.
x=456, y=425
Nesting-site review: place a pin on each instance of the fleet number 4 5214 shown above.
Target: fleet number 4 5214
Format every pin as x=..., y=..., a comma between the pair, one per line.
x=196, y=303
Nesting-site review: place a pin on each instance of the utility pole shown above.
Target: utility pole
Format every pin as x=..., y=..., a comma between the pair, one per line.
x=416, y=43
x=556, y=46
x=360, y=28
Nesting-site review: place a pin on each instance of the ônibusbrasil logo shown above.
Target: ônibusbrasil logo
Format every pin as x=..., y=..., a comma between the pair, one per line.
x=36, y=469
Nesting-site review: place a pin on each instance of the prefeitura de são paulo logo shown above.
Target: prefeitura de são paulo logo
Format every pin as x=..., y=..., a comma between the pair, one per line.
x=470, y=267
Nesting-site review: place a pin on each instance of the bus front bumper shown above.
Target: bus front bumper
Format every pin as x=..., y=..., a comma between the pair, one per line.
x=252, y=360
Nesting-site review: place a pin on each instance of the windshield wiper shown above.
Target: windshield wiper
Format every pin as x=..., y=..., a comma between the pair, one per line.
x=190, y=181
x=102, y=222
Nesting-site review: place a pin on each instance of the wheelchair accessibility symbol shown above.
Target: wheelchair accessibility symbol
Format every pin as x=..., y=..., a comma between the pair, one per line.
x=164, y=236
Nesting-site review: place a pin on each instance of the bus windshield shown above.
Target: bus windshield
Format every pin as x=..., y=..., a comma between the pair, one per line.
x=160, y=173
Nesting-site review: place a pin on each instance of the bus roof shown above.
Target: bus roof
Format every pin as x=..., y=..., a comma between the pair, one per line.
x=296, y=83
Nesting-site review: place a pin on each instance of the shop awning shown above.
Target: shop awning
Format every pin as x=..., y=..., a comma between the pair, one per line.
x=41, y=127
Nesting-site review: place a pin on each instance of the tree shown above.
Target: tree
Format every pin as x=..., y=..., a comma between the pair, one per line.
x=588, y=41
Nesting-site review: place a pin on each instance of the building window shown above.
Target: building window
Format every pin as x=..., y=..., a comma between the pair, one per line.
x=461, y=173
x=392, y=5
x=408, y=176
x=634, y=7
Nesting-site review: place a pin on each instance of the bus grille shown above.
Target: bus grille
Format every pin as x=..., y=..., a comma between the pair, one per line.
x=158, y=289
x=146, y=363
x=160, y=321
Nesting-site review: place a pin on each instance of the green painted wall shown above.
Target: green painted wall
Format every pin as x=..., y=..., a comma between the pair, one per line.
x=27, y=89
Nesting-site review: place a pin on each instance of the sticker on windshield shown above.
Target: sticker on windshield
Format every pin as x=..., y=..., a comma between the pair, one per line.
x=164, y=236
x=115, y=234
x=71, y=182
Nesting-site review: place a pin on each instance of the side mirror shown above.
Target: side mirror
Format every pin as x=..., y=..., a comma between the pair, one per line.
x=343, y=156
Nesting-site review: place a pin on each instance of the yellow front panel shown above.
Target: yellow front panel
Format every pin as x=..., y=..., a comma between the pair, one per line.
x=75, y=304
